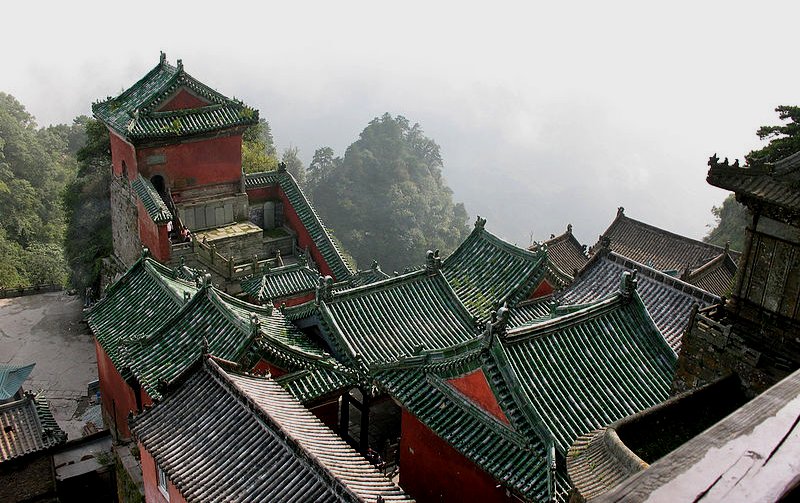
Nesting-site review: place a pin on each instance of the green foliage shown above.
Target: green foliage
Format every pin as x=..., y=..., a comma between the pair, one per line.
x=86, y=202
x=294, y=165
x=784, y=140
x=35, y=166
x=387, y=199
x=258, y=148
x=731, y=219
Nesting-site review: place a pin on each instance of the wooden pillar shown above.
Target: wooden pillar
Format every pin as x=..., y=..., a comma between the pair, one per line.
x=363, y=441
x=344, y=416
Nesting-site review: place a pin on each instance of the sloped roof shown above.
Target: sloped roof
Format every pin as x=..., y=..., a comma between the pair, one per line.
x=227, y=437
x=773, y=184
x=308, y=217
x=27, y=426
x=659, y=249
x=134, y=113
x=668, y=300
x=152, y=202
x=583, y=370
x=139, y=303
x=715, y=276
x=281, y=282
x=11, y=379
x=153, y=327
x=397, y=317
x=565, y=252
x=486, y=271
x=520, y=463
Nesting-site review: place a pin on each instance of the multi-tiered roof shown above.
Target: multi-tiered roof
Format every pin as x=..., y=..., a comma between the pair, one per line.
x=137, y=113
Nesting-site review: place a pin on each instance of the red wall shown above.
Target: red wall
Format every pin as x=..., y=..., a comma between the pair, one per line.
x=153, y=236
x=263, y=366
x=152, y=494
x=431, y=470
x=196, y=163
x=475, y=386
x=122, y=151
x=543, y=289
x=114, y=392
x=303, y=237
x=183, y=99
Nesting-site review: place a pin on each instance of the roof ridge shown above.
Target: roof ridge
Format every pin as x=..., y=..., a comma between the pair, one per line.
x=623, y=217
x=661, y=276
x=379, y=285
x=545, y=327
x=146, y=76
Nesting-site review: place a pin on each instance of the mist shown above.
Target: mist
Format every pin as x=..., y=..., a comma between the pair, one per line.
x=545, y=114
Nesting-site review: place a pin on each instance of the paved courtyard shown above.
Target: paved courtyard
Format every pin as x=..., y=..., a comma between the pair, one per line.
x=47, y=330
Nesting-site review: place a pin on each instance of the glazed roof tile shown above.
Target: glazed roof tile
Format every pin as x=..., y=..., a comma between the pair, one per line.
x=308, y=217
x=530, y=310
x=26, y=427
x=134, y=113
x=310, y=385
x=774, y=184
x=485, y=270
x=137, y=304
x=152, y=202
x=153, y=327
x=583, y=370
x=716, y=276
x=281, y=282
x=565, y=252
x=659, y=249
x=11, y=379
x=397, y=317
x=517, y=462
x=668, y=300
x=225, y=437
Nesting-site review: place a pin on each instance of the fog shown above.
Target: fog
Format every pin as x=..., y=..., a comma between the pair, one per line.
x=545, y=114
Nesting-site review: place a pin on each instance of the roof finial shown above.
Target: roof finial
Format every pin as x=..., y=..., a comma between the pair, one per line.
x=163, y=58
x=480, y=222
x=145, y=252
x=628, y=284
x=180, y=65
x=727, y=247
x=432, y=261
x=620, y=212
x=255, y=323
x=281, y=167
x=325, y=289
x=569, y=228
x=497, y=323
x=205, y=346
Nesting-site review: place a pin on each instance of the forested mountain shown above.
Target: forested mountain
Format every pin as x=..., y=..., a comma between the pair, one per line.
x=784, y=140
x=386, y=198
x=35, y=166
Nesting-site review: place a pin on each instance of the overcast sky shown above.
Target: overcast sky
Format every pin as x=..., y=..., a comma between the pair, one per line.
x=547, y=113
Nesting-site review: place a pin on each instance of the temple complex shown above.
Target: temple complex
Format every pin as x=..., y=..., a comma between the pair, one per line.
x=243, y=358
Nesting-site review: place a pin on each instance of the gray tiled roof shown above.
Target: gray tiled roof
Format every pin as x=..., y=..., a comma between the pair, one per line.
x=668, y=300
x=227, y=437
x=657, y=248
x=27, y=426
x=565, y=252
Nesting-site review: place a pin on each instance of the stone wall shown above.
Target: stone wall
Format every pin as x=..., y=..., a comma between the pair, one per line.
x=30, y=479
x=124, y=222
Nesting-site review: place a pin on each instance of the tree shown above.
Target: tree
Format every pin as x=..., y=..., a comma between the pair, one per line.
x=386, y=199
x=87, y=205
x=294, y=165
x=784, y=140
x=35, y=166
x=258, y=148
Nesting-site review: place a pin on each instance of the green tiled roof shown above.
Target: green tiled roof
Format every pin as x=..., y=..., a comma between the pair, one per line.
x=485, y=270
x=586, y=369
x=11, y=379
x=397, y=317
x=518, y=462
x=281, y=282
x=308, y=385
x=152, y=202
x=308, y=217
x=134, y=113
x=139, y=303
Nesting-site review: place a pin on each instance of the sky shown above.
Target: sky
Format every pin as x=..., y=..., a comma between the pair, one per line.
x=547, y=113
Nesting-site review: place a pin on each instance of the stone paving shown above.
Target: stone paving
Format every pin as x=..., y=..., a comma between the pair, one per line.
x=47, y=329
